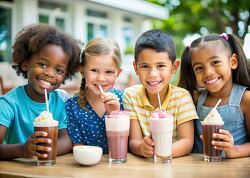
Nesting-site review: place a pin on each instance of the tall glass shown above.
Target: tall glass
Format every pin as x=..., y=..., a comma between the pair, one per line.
x=117, y=129
x=52, y=129
x=161, y=129
x=210, y=153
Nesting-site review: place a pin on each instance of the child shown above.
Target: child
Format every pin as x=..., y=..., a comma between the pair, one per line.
x=45, y=57
x=155, y=62
x=218, y=64
x=100, y=66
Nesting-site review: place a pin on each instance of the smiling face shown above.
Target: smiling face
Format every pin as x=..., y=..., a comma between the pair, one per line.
x=212, y=64
x=99, y=70
x=45, y=70
x=154, y=70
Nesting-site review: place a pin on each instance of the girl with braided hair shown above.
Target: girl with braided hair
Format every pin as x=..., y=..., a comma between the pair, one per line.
x=100, y=67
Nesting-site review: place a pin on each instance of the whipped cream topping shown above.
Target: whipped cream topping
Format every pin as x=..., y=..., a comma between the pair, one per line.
x=213, y=118
x=45, y=119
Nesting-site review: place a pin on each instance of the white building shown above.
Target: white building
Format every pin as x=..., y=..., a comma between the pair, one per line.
x=84, y=19
x=122, y=20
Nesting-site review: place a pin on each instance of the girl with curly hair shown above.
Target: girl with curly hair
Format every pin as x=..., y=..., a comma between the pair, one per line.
x=45, y=57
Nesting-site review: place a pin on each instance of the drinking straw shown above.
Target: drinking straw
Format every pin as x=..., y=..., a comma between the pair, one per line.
x=46, y=99
x=217, y=104
x=159, y=101
x=100, y=87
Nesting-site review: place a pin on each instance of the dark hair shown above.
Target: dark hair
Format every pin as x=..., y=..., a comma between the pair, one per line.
x=98, y=47
x=231, y=42
x=33, y=38
x=158, y=40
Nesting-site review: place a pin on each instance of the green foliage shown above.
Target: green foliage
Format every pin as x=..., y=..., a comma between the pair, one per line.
x=129, y=50
x=204, y=16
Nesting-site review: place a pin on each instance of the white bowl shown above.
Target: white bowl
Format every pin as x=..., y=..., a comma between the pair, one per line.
x=87, y=155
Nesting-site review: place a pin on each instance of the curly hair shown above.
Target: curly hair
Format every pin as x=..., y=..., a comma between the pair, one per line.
x=33, y=38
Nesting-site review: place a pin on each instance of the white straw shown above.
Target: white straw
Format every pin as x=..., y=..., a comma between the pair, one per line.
x=217, y=104
x=100, y=87
x=46, y=99
x=159, y=101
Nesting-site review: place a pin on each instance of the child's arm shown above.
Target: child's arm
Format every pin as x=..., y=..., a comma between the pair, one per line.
x=231, y=150
x=110, y=101
x=137, y=144
x=11, y=151
x=227, y=144
x=185, y=140
x=64, y=144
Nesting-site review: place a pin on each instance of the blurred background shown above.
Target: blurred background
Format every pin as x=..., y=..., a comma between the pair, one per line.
x=122, y=20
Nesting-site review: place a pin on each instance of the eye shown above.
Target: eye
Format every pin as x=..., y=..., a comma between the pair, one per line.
x=215, y=62
x=94, y=70
x=42, y=65
x=110, y=72
x=161, y=66
x=143, y=66
x=59, y=71
x=197, y=69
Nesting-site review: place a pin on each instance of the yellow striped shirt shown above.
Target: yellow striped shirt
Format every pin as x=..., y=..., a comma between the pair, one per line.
x=178, y=103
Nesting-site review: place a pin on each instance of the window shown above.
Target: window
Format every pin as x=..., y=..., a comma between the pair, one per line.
x=54, y=14
x=97, y=24
x=128, y=35
x=5, y=34
x=43, y=19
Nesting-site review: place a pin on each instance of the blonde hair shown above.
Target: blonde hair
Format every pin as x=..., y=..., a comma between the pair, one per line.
x=98, y=47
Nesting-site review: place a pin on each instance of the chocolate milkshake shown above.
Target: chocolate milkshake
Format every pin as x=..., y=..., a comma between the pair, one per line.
x=44, y=122
x=211, y=124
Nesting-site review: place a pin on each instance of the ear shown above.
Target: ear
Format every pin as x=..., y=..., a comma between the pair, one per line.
x=175, y=66
x=234, y=61
x=81, y=69
x=119, y=72
x=24, y=65
x=135, y=68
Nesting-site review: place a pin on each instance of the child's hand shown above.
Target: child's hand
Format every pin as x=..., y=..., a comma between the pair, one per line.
x=111, y=102
x=147, y=147
x=34, y=144
x=226, y=141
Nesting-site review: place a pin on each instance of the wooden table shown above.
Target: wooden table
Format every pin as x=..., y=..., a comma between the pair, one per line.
x=190, y=166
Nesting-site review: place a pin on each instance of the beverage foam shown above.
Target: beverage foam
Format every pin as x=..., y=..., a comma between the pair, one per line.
x=45, y=119
x=160, y=114
x=161, y=121
x=213, y=118
x=117, y=121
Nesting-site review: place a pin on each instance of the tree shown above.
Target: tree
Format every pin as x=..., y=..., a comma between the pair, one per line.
x=205, y=16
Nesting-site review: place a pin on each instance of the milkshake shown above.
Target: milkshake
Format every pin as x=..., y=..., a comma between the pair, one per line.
x=44, y=122
x=211, y=124
x=161, y=128
x=117, y=129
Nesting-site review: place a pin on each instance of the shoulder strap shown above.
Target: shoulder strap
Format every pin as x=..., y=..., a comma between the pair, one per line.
x=201, y=98
x=236, y=94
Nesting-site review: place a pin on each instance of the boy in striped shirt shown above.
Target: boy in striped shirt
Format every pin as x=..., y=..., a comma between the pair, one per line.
x=155, y=62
